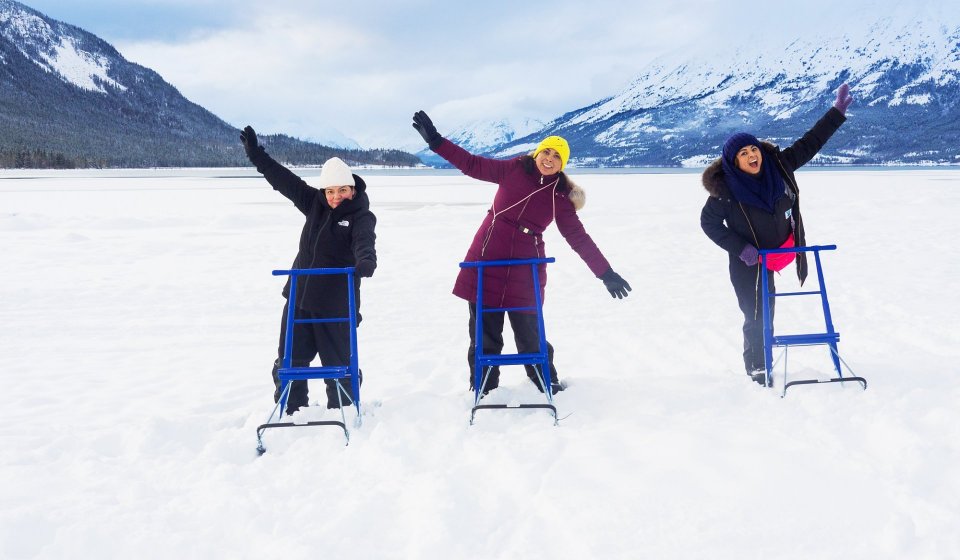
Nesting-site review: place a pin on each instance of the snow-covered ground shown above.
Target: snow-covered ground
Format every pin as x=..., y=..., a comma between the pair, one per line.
x=140, y=320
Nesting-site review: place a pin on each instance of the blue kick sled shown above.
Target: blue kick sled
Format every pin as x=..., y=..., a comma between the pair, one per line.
x=828, y=338
x=288, y=373
x=484, y=363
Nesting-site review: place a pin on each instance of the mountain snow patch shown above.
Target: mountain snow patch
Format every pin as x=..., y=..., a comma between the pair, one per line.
x=84, y=70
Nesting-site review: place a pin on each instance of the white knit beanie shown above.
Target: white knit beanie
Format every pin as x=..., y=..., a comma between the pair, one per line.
x=335, y=173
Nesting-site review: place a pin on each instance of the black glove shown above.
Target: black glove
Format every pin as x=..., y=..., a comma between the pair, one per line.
x=249, y=139
x=616, y=285
x=425, y=127
x=365, y=268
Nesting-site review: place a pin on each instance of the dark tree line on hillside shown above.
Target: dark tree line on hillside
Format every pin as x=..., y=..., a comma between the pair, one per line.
x=27, y=142
x=40, y=159
x=297, y=152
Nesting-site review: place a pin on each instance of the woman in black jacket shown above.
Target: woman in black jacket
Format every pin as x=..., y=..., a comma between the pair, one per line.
x=754, y=204
x=338, y=232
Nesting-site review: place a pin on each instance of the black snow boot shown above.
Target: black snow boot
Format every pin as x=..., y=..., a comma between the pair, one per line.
x=333, y=401
x=759, y=376
x=297, y=397
x=493, y=381
x=345, y=393
x=555, y=384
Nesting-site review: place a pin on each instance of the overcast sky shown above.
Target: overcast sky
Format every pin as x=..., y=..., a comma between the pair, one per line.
x=307, y=67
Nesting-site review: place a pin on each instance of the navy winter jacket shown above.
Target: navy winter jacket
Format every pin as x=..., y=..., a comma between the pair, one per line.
x=732, y=225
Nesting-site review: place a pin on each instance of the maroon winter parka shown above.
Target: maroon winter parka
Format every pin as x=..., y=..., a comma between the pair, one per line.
x=526, y=203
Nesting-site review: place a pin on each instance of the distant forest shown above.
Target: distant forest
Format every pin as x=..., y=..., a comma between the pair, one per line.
x=282, y=148
x=39, y=159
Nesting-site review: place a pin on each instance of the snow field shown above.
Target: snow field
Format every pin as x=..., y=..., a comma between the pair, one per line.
x=141, y=320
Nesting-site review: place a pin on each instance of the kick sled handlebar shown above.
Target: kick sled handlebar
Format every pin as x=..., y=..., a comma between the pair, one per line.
x=811, y=248
x=314, y=271
x=480, y=264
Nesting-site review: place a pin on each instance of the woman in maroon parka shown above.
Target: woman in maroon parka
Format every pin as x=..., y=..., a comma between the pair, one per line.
x=533, y=192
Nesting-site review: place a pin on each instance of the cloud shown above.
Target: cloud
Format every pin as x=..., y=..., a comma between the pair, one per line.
x=305, y=67
x=362, y=68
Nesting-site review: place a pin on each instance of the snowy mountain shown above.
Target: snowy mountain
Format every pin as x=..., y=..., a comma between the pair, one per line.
x=486, y=133
x=68, y=98
x=904, y=74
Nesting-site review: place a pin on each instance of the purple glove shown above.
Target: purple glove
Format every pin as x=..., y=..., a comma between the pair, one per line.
x=749, y=255
x=844, y=99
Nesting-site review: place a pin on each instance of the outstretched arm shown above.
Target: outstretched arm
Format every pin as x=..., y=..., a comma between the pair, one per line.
x=572, y=230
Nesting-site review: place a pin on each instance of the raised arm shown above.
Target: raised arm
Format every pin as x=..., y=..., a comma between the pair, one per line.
x=813, y=141
x=280, y=178
x=478, y=167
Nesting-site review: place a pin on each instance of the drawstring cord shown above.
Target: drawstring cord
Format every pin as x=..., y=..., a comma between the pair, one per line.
x=526, y=199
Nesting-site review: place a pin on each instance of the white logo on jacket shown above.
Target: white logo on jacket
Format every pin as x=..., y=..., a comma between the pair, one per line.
x=343, y=223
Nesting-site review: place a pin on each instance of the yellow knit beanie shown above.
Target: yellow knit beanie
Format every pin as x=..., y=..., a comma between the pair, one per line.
x=558, y=144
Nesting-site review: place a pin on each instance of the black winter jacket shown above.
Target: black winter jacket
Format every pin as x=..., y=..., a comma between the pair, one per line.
x=732, y=225
x=331, y=238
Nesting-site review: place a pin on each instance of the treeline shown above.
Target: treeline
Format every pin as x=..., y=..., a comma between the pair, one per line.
x=38, y=145
x=41, y=159
x=297, y=152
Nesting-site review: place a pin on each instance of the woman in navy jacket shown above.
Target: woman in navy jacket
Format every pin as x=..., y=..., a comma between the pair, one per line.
x=754, y=203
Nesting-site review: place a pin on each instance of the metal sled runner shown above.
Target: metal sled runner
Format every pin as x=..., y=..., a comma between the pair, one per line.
x=288, y=373
x=484, y=363
x=829, y=338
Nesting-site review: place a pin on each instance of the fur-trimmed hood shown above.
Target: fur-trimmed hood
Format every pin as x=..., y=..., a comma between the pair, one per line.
x=713, y=176
x=576, y=194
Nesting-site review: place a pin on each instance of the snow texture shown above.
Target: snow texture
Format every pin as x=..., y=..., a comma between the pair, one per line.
x=140, y=320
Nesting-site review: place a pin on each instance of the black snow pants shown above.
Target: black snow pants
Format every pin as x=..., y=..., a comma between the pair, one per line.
x=526, y=336
x=746, y=283
x=331, y=341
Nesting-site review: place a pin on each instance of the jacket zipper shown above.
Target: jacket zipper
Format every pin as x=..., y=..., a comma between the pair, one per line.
x=313, y=256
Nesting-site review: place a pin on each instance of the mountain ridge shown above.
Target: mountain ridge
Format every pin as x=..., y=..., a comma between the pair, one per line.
x=678, y=110
x=68, y=96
